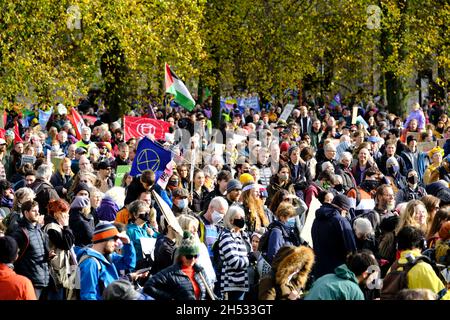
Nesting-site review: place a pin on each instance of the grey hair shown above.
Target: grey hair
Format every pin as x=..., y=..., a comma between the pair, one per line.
x=210, y=171
x=44, y=171
x=136, y=205
x=87, y=129
x=326, y=164
x=363, y=226
x=345, y=155
x=329, y=146
x=229, y=216
x=218, y=203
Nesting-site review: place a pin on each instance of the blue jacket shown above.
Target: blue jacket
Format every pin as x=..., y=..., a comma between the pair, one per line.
x=93, y=281
x=333, y=239
x=281, y=235
x=135, y=233
x=422, y=162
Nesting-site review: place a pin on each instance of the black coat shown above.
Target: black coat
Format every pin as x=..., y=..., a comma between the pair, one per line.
x=164, y=252
x=172, y=284
x=199, y=200
x=59, y=182
x=82, y=227
x=34, y=252
x=44, y=193
x=333, y=239
x=134, y=190
x=63, y=240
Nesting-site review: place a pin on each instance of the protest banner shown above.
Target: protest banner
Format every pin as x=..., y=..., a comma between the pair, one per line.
x=165, y=176
x=138, y=127
x=120, y=172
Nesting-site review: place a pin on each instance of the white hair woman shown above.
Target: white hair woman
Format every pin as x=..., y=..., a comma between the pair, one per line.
x=234, y=248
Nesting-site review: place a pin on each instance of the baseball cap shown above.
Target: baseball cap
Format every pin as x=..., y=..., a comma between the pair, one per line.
x=80, y=150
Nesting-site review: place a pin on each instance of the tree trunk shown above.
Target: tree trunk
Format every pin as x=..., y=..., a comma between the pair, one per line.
x=216, y=106
x=393, y=93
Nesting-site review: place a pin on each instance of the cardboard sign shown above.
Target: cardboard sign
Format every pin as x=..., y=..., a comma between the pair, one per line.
x=167, y=213
x=120, y=172
x=286, y=112
x=426, y=146
x=306, y=231
x=354, y=115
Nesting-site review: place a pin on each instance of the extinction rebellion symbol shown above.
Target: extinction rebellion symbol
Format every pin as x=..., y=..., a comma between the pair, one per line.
x=147, y=159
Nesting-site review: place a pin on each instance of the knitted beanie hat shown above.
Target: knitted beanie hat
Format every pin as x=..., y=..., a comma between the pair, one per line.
x=104, y=231
x=246, y=178
x=82, y=186
x=8, y=249
x=189, y=245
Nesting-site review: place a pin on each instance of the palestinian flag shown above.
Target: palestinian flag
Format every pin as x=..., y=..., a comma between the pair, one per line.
x=176, y=87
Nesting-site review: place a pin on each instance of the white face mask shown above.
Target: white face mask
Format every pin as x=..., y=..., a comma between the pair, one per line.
x=216, y=217
x=183, y=203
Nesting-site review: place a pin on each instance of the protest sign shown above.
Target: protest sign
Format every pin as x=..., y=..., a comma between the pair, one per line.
x=306, y=231
x=426, y=146
x=354, y=115
x=167, y=213
x=120, y=172
x=286, y=112
x=27, y=159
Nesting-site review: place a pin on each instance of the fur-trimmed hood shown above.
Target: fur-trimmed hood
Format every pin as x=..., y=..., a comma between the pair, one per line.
x=289, y=260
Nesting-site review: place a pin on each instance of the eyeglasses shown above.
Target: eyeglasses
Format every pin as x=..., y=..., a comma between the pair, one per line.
x=190, y=256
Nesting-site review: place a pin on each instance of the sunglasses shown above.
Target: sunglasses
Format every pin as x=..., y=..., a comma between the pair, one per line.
x=190, y=256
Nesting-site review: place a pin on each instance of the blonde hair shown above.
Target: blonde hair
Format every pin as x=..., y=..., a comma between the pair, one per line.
x=186, y=222
x=60, y=167
x=407, y=217
x=285, y=210
x=257, y=216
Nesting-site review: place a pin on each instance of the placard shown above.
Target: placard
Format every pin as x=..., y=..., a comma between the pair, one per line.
x=354, y=115
x=167, y=213
x=286, y=112
x=120, y=172
x=148, y=247
x=27, y=159
x=426, y=146
x=306, y=231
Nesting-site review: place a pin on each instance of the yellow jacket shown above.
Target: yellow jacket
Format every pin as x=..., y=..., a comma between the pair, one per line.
x=422, y=275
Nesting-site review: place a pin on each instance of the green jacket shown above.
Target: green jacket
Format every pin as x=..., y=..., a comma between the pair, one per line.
x=340, y=285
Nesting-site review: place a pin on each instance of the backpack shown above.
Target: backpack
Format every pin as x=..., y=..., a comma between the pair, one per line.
x=217, y=261
x=397, y=280
x=75, y=293
x=264, y=240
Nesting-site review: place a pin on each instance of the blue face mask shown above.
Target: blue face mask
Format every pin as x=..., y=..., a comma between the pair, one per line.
x=291, y=222
x=182, y=203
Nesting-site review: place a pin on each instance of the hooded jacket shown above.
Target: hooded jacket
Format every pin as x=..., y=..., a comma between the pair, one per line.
x=93, y=281
x=107, y=210
x=82, y=227
x=340, y=285
x=331, y=250
x=14, y=286
x=290, y=269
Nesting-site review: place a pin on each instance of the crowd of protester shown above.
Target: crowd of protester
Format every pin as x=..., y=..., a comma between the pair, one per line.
x=314, y=206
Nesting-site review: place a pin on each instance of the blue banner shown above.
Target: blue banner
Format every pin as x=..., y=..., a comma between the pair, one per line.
x=150, y=156
x=44, y=116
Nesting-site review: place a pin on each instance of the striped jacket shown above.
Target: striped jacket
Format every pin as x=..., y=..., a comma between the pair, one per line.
x=233, y=254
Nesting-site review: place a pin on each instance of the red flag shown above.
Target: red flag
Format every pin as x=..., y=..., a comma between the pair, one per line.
x=137, y=127
x=77, y=122
x=90, y=119
x=17, y=137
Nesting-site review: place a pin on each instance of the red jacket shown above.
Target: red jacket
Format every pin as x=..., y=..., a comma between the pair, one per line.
x=14, y=286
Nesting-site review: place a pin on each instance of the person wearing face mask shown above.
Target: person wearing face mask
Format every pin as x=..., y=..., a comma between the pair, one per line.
x=413, y=192
x=279, y=181
x=211, y=222
x=140, y=228
x=282, y=230
x=234, y=249
x=396, y=179
x=180, y=202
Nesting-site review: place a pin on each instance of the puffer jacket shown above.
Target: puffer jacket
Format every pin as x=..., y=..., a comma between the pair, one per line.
x=33, y=259
x=92, y=280
x=173, y=284
x=82, y=227
x=289, y=260
x=331, y=250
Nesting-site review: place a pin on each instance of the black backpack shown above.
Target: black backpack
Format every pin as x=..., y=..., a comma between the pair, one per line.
x=264, y=240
